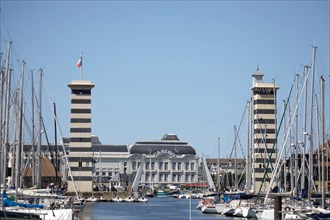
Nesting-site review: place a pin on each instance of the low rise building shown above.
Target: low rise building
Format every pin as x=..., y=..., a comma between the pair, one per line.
x=168, y=161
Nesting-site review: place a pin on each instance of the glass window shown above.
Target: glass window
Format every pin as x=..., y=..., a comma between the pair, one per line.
x=160, y=165
x=173, y=166
x=187, y=166
x=192, y=166
x=179, y=166
x=174, y=178
x=166, y=165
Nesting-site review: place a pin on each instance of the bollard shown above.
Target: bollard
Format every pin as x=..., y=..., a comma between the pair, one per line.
x=278, y=207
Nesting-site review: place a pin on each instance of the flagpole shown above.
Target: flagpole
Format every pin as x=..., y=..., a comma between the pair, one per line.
x=81, y=66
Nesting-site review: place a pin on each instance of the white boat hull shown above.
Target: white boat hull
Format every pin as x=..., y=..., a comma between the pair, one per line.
x=47, y=214
x=213, y=208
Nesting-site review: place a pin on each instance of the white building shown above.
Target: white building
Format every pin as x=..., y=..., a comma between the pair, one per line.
x=168, y=161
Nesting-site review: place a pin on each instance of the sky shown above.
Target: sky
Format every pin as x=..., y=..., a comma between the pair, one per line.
x=182, y=67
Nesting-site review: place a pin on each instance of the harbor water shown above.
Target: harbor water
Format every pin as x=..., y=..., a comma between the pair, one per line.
x=165, y=208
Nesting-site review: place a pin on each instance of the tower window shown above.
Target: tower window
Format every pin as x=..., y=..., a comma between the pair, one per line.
x=81, y=92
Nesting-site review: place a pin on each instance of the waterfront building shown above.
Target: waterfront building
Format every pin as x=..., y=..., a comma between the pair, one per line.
x=264, y=131
x=80, y=156
x=168, y=161
x=109, y=160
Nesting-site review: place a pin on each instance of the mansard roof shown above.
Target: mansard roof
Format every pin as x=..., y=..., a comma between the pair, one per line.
x=110, y=148
x=169, y=142
x=98, y=146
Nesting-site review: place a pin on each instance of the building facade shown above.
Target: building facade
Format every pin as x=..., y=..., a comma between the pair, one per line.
x=264, y=131
x=109, y=160
x=168, y=161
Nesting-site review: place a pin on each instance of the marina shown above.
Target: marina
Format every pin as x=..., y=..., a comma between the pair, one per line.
x=169, y=167
x=274, y=165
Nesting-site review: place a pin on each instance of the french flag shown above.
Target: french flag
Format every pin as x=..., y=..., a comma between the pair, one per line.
x=79, y=62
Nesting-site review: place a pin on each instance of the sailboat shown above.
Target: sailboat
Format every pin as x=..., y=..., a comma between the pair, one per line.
x=46, y=205
x=303, y=190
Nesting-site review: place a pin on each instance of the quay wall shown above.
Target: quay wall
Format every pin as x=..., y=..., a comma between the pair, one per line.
x=104, y=194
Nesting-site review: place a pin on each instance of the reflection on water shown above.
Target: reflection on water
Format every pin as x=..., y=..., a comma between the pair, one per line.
x=155, y=208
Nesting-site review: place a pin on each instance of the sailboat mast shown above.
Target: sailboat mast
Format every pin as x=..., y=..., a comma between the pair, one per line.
x=318, y=143
x=38, y=155
x=248, y=153
x=305, y=129
x=310, y=182
x=218, y=165
x=292, y=152
x=285, y=156
x=18, y=166
x=5, y=145
x=275, y=123
x=33, y=147
x=296, y=142
x=2, y=79
x=323, y=147
x=235, y=158
x=252, y=149
x=55, y=142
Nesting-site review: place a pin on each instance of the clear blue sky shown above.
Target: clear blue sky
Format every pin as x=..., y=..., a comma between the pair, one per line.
x=159, y=67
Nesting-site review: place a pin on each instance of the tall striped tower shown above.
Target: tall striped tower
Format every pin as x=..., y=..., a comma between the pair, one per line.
x=264, y=125
x=80, y=156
